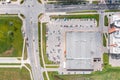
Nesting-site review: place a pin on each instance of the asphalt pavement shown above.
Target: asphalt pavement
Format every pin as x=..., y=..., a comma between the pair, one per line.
x=31, y=9
x=75, y=8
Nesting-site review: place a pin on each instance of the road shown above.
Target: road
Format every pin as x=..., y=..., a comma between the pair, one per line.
x=33, y=9
x=30, y=9
x=75, y=8
x=52, y=69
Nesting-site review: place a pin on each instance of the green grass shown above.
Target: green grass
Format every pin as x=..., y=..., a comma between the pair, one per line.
x=22, y=16
x=109, y=74
x=106, y=61
x=40, y=15
x=67, y=2
x=104, y=41
x=95, y=16
x=39, y=35
x=13, y=0
x=47, y=61
x=44, y=75
x=95, y=2
x=87, y=16
x=106, y=21
x=112, y=10
x=52, y=66
x=11, y=40
x=53, y=75
x=10, y=63
x=22, y=1
x=105, y=58
x=39, y=1
x=14, y=74
x=28, y=65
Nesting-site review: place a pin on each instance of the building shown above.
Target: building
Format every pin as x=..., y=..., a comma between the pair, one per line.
x=114, y=32
x=114, y=41
x=83, y=52
x=8, y=1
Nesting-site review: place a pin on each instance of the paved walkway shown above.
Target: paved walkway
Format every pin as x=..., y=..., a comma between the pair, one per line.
x=105, y=29
x=52, y=69
x=105, y=49
x=9, y=60
x=51, y=64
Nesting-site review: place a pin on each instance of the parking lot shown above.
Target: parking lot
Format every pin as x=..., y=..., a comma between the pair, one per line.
x=55, y=35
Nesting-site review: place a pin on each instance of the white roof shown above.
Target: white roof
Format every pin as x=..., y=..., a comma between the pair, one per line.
x=115, y=37
x=8, y=0
x=116, y=40
x=117, y=23
x=116, y=17
x=116, y=20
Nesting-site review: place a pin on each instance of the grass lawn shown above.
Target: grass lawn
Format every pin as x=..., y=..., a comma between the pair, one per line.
x=67, y=2
x=14, y=74
x=106, y=61
x=39, y=1
x=11, y=40
x=53, y=75
x=104, y=41
x=39, y=36
x=40, y=15
x=95, y=2
x=112, y=10
x=47, y=61
x=10, y=63
x=108, y=74
x=106, y=21
x=52, y=66
x=44, y=75
x=88, y=16
x=13, y=0
x=22, y=1
x=22, y=16
x=105, y=58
